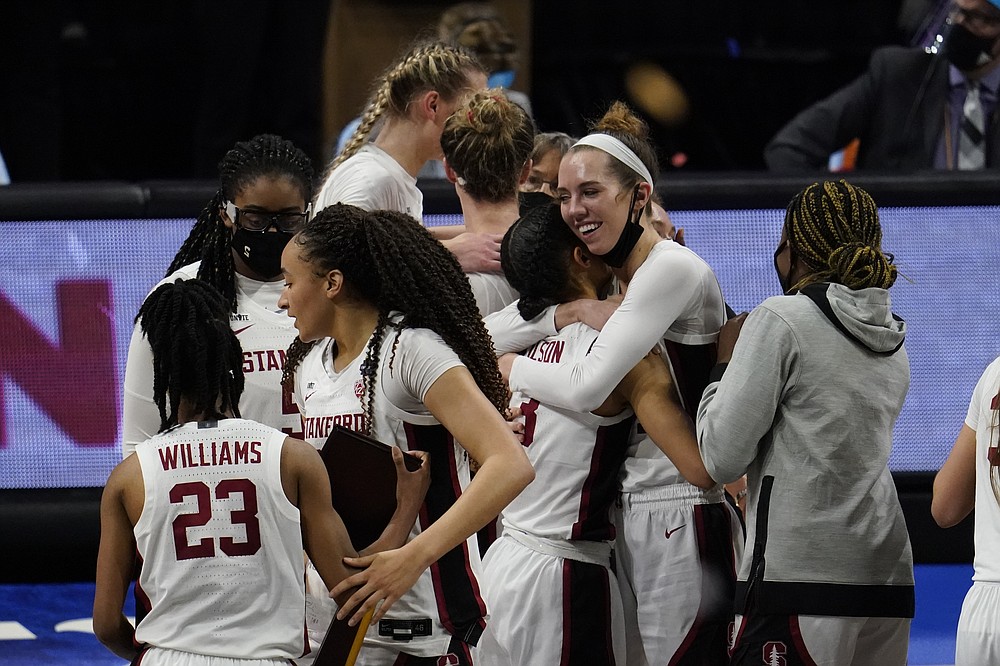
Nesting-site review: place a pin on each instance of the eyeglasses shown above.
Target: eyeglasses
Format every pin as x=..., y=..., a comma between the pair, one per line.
x=262, y=220
x=974, y=18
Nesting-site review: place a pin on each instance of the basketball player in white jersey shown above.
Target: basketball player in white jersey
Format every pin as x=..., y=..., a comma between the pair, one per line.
x=235, y=245
x=677, y=544
x=970, y=479
x=396, y=346
x=487, y=146
x=551, y=593
x=412, y=100
x=217, y=508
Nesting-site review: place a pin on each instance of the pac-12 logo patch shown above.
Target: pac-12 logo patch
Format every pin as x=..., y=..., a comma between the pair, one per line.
x=774, y=653
x=449, y=659
x=359, y=388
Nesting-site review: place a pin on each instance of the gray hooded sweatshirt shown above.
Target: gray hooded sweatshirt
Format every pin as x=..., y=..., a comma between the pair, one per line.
x=806, y=409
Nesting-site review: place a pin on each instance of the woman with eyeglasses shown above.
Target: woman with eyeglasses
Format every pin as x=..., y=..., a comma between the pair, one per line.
x=676, y=543
x=235, y=245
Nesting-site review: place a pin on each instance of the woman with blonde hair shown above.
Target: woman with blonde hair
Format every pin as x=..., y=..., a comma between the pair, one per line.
x=676, y=543
x=487, y=145
x=412, y=100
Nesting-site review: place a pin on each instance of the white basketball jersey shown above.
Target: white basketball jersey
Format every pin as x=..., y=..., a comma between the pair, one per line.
x=491, y=291
x=220, y=542
x=577, y=457
x=265, y=332
x=447, y=593
x=984, y=417
x=325, y=397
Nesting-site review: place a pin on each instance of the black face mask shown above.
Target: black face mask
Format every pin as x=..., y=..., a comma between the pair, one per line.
x=783, y=280
x=629, y=237
x=965, y=50
x=529, y=200
x=261, y=251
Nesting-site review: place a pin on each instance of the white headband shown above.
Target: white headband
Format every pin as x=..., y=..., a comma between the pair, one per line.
x=617, y=150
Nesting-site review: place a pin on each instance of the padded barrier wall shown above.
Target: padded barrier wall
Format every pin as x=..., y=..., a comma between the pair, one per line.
x=50, y=534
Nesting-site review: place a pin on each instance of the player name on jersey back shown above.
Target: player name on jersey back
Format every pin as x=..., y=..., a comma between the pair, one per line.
x=183, y=455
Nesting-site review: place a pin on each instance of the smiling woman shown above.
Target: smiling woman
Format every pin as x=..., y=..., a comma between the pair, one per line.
x=672, y=299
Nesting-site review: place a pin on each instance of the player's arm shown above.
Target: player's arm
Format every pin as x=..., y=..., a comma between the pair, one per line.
x=115, y=560
x=140, y=416
x=651, y=392
x=445, y=232
x=955, y=484
x=324, y=536
x=476, y=252
x=456, y=401
x=411, y=487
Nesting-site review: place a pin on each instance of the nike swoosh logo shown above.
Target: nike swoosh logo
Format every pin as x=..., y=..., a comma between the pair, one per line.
x=669, y=532
x=311, y=394
x=240, y=330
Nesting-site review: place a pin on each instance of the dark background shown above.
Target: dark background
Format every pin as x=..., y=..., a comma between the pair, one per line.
x=110, y=89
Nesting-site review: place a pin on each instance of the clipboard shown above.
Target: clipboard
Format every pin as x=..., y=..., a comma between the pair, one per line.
x=363, y=487
x=362, y=482
x=342, y=642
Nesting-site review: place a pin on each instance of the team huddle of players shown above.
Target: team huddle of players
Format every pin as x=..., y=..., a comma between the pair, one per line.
x=549, y=360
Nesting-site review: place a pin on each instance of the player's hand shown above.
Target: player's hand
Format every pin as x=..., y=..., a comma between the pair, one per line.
x=411, y=486
x=595, y=313
x=728, y=335
x=515, y=420
x=476, y=252
x=386, y=577
x=506, y=363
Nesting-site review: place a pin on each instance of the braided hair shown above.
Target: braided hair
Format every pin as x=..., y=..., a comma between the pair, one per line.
x=393, y=263
x=623, y=124
x=833, y=227
x=265, y=155
x=487, y=141
x=535, y=255
x=196, y=355
x=427, y=66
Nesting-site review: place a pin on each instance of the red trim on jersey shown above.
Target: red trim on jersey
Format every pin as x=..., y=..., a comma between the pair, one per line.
x=140, y=594
x=586, y=615
x=567, y=614
x=709, y=633
x=600, y=488
x=800, y=645
x=677, y=370
x=692, y=634
x=588, y=485
x=456, y=590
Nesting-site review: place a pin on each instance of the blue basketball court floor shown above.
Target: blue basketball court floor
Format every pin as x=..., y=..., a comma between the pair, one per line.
x=51, y=623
